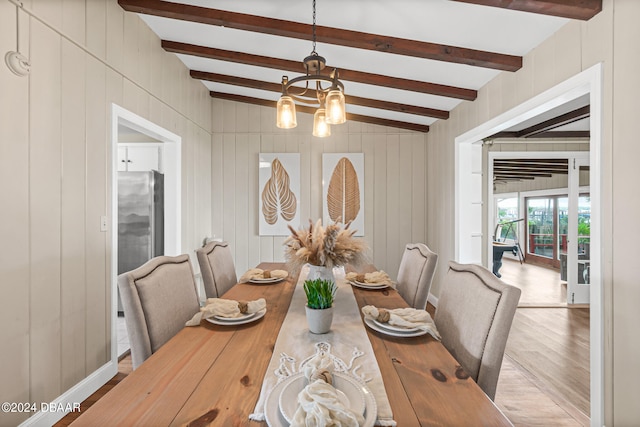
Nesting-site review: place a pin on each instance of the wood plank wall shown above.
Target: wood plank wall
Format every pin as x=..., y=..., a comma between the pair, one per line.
x=55, y=136
x=395, y=181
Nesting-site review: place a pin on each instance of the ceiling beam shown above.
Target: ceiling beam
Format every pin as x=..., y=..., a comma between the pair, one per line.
x=529, y=171
x=536, y=160
x=351, y=100
x=556, y=122
x=526, y=164
x=554, y=134
x=336, y=36
x=573, y=9
x=531, y=164
x=310, y=110
x=517, y=177
x=562, y=134
x=547, y=126
x=521, y=165
x=297, y=67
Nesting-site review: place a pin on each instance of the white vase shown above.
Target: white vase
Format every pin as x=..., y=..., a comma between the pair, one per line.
x=319, y=320
x=320, y=272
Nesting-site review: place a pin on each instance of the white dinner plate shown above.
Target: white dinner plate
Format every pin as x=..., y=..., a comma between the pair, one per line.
x=229, y=322
x=368, y=285
x=346, y=386
x=370, y=323
x=266, y=281
x=394, y=328
x=274, y=417
x=234, y=319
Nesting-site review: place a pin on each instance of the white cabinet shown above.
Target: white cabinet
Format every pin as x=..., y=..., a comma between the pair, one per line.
x=139, y=157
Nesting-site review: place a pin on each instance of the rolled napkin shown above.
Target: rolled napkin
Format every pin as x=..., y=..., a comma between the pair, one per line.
x=403, y=318
x=257, y=273
x=375, y=278
x=318, y=402
x=226, y=308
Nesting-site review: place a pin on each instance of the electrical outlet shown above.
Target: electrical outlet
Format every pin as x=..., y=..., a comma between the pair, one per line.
x=103, y=223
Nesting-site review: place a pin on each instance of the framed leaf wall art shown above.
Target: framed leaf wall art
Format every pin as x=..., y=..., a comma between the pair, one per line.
x=279, y=193
x=343, y=189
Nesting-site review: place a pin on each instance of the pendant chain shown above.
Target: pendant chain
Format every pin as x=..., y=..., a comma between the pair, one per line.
x=314, y=27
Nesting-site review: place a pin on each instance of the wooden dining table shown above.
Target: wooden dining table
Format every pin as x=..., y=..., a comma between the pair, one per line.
x=212, y=375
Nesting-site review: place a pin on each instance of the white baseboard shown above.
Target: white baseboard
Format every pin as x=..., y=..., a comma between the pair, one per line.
x=433, y=300
x=75, y=395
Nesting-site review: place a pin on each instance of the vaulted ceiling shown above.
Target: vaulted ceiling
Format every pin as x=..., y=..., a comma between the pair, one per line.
x=404, y=63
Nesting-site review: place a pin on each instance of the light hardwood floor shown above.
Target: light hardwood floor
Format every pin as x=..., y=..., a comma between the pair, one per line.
x=540, y=286
x=544, y=379
x=545, y=373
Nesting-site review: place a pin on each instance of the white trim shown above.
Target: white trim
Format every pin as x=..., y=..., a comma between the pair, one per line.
x=589, y=82
x=550, y=192
x=433, y=300
x=75, y=395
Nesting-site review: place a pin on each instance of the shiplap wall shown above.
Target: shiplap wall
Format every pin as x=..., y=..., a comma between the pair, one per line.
x=606, y=38
x=394, y=182
x=55, y=283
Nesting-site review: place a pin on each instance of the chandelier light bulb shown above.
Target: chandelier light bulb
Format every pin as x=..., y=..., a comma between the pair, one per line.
x=321, y=128
x=335, y=105
x=286, y=113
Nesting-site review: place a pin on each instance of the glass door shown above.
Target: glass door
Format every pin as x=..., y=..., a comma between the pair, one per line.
x=578, y=235
x=542, y=230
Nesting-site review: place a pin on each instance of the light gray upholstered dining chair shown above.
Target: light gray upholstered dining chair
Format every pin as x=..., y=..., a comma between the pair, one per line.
x=474, y=315
x=158, y=298
x=415, y=274
x=217, y=268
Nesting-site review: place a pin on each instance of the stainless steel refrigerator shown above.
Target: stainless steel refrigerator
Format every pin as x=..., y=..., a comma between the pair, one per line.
x=140, y=218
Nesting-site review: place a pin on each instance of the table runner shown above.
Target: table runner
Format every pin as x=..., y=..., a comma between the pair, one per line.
x=347, y=343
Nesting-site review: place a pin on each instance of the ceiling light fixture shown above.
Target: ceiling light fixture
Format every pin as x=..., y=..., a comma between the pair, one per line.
x=330, y=100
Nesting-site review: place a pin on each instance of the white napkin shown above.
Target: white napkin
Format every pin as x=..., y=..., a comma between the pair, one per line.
x=257, y=273
x=226, y=308
x=404, y=318
x=318, y=403
x=374, y=278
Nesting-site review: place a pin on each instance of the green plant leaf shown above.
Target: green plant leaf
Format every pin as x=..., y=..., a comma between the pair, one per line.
x=320, y=293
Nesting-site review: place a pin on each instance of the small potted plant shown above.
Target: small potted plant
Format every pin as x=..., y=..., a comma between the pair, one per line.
x=320, y=294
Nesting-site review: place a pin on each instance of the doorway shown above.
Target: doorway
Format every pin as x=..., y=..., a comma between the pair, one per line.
x=542, y=204
x=169, y=145
x=587, y=83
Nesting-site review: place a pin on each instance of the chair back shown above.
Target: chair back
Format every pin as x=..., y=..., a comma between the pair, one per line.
x=217, y=268
x=474, y=315
x=158, y=298
x=415, y=274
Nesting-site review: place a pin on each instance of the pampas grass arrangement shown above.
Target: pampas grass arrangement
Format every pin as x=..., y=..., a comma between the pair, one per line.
x=330, y=246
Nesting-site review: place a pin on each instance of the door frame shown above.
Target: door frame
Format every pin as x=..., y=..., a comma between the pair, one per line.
x=171, y=155
x=589, y=82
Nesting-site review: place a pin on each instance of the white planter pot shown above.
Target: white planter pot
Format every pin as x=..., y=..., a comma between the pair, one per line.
x=319, y=320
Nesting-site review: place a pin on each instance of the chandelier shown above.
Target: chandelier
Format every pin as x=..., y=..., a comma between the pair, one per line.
x=329, y=99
